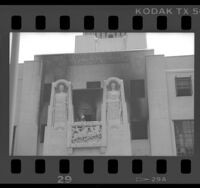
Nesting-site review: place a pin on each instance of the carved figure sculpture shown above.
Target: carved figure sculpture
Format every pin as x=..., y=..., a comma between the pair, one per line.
x=60, y=107
x=114, y=107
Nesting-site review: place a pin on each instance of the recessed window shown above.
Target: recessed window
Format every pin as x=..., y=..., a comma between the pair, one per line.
x=184, y=133
x=183, y=86
x=93, y=85
x=139, y=129
x=137, y=88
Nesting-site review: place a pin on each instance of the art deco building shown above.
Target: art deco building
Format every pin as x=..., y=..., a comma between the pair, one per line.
x=113, y=96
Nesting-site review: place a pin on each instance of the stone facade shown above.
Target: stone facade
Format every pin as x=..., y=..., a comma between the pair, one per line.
x=158, y=106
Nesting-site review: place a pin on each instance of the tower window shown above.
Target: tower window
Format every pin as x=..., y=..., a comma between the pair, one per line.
x=184, y=134
x=183, y=86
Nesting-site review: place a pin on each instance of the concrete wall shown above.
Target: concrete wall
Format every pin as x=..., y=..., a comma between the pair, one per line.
x=110, y=44
x=180, y=107
x=164, y=105
x=85, y=44
x=136, y=41
x=141, y=147
x=19, y=92
x=26, y=133
x=179, y=62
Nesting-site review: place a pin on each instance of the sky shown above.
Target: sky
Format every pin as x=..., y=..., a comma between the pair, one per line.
x=169, y=44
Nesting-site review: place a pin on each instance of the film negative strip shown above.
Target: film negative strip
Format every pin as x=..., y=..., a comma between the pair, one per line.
x=99, y=94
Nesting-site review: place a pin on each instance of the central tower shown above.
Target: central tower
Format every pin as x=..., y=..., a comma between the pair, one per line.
x=107, y=42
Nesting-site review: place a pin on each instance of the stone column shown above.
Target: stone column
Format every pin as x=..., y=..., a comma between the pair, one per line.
x=118, y=130
x=159, y=120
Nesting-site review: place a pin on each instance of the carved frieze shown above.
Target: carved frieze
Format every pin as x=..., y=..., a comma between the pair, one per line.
x=86, y=134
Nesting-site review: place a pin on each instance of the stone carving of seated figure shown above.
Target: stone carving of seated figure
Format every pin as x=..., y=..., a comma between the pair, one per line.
x=60, y=107
x=113, y=102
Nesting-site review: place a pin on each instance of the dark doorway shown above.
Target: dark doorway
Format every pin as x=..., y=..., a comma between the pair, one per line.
x=87, y=104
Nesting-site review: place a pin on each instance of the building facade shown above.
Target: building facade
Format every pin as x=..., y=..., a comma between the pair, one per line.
x=113, y=96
